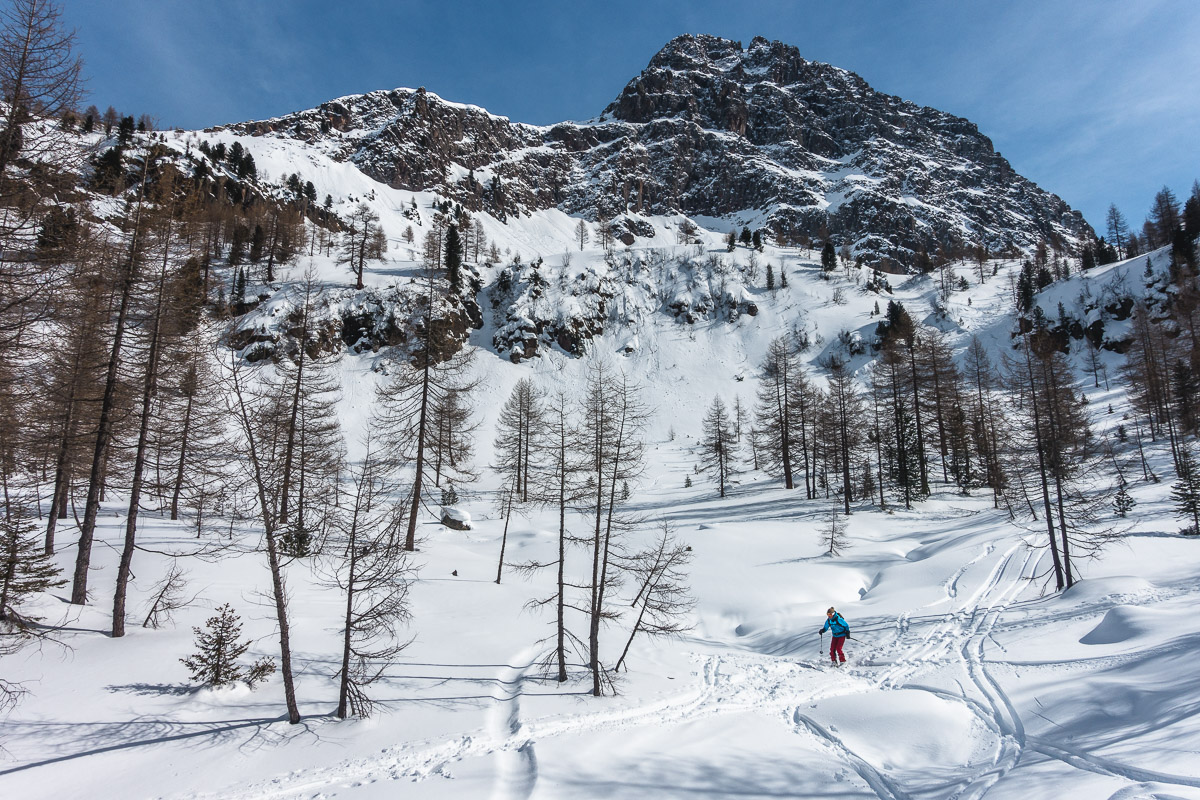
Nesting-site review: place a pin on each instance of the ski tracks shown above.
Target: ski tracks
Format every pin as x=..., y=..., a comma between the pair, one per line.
x=736, y=682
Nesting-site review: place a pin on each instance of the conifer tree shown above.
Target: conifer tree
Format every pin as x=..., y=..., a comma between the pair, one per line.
x=453, y=260
x=1123, y=502
x=775, y=413
x=828, y=258
x=719, y=443
x=610, y=443
x=362, y=242
x=218, y=647
x=1186, y=491
x=1118, y=228
x=519, y=436
x=662, y=599
x=366, y=561
x=25, y=568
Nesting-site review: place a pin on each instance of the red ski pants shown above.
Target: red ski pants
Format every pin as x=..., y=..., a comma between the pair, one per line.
x=835, y=648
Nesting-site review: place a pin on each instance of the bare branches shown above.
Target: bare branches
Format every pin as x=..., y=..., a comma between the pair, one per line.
x=169, y=597
x=663, y=595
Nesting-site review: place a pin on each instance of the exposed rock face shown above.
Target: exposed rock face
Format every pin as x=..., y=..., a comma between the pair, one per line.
x=711, y=128
x=360, y=320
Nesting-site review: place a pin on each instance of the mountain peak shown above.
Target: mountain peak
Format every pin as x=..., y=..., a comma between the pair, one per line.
x=714, y=129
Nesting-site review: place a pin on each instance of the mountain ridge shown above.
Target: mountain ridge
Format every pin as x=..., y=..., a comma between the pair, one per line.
x=712, y=129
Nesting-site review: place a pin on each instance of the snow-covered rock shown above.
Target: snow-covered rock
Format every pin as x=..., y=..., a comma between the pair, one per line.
x=456, y=518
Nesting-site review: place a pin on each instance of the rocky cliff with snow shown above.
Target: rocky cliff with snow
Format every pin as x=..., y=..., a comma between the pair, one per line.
x=713, y=129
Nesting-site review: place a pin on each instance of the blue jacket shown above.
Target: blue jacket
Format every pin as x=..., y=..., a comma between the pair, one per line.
x=836, y=625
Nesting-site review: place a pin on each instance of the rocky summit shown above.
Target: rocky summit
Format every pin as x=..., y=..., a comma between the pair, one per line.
x=751, y=135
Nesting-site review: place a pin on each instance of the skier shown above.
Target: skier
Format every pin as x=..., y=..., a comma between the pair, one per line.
x=839, y=630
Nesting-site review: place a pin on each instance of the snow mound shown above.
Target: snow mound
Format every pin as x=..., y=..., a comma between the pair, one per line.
x=1099, y=588
x=906, y=728
x=1121, y=624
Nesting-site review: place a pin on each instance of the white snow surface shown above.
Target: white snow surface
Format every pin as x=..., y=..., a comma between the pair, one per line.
x=967, y=676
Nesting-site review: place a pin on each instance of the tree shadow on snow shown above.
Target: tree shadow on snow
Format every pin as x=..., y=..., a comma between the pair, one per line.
x=77, y=740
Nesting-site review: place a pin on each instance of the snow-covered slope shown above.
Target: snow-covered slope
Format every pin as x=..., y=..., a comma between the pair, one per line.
x=965, y=678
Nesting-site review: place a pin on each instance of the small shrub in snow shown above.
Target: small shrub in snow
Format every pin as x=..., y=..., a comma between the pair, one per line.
x=449, y=496
x=839, y=296
x=218, y=648
x=687, y=482
x=1123, y=503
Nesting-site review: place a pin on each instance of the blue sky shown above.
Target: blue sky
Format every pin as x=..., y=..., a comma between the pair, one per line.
x=1096, y=100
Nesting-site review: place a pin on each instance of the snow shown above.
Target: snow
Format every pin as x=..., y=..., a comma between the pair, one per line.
x=966, y=677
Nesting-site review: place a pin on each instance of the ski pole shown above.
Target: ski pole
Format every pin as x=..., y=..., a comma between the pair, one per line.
x=822, y=635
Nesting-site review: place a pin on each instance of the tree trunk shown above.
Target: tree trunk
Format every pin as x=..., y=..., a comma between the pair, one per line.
x=104, y=432
x=149, y=389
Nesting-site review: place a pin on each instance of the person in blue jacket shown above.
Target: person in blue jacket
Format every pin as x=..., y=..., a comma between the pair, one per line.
x=837, y=626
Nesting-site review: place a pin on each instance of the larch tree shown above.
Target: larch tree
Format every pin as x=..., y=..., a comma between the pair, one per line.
x=1118, y=228
x=559, y=485
x=365, y=560
x=774, y=420
x=663, y=601
x=361, y=242
x=848, y=414
x=409, y=400
x=719, y=443
x=519, y=436
x=581, y=233
x=610, y=446
x=126, y=279
x=262, y=468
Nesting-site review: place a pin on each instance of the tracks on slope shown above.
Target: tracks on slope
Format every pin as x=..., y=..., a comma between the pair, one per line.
x=735, y=682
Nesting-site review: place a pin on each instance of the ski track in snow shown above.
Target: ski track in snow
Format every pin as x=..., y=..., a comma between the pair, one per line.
x=738, y=682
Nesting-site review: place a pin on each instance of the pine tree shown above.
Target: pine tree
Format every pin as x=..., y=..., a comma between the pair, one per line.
x=770, y=277
x=218, y=648
x=1186, y=491
x=1123, y=503
x=25, y=568
x=453, y=260
x=238, y=296
x=828, y=258
x=730, y=242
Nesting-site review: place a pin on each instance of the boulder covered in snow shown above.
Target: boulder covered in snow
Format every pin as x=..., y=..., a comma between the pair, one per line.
x=454, y=517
